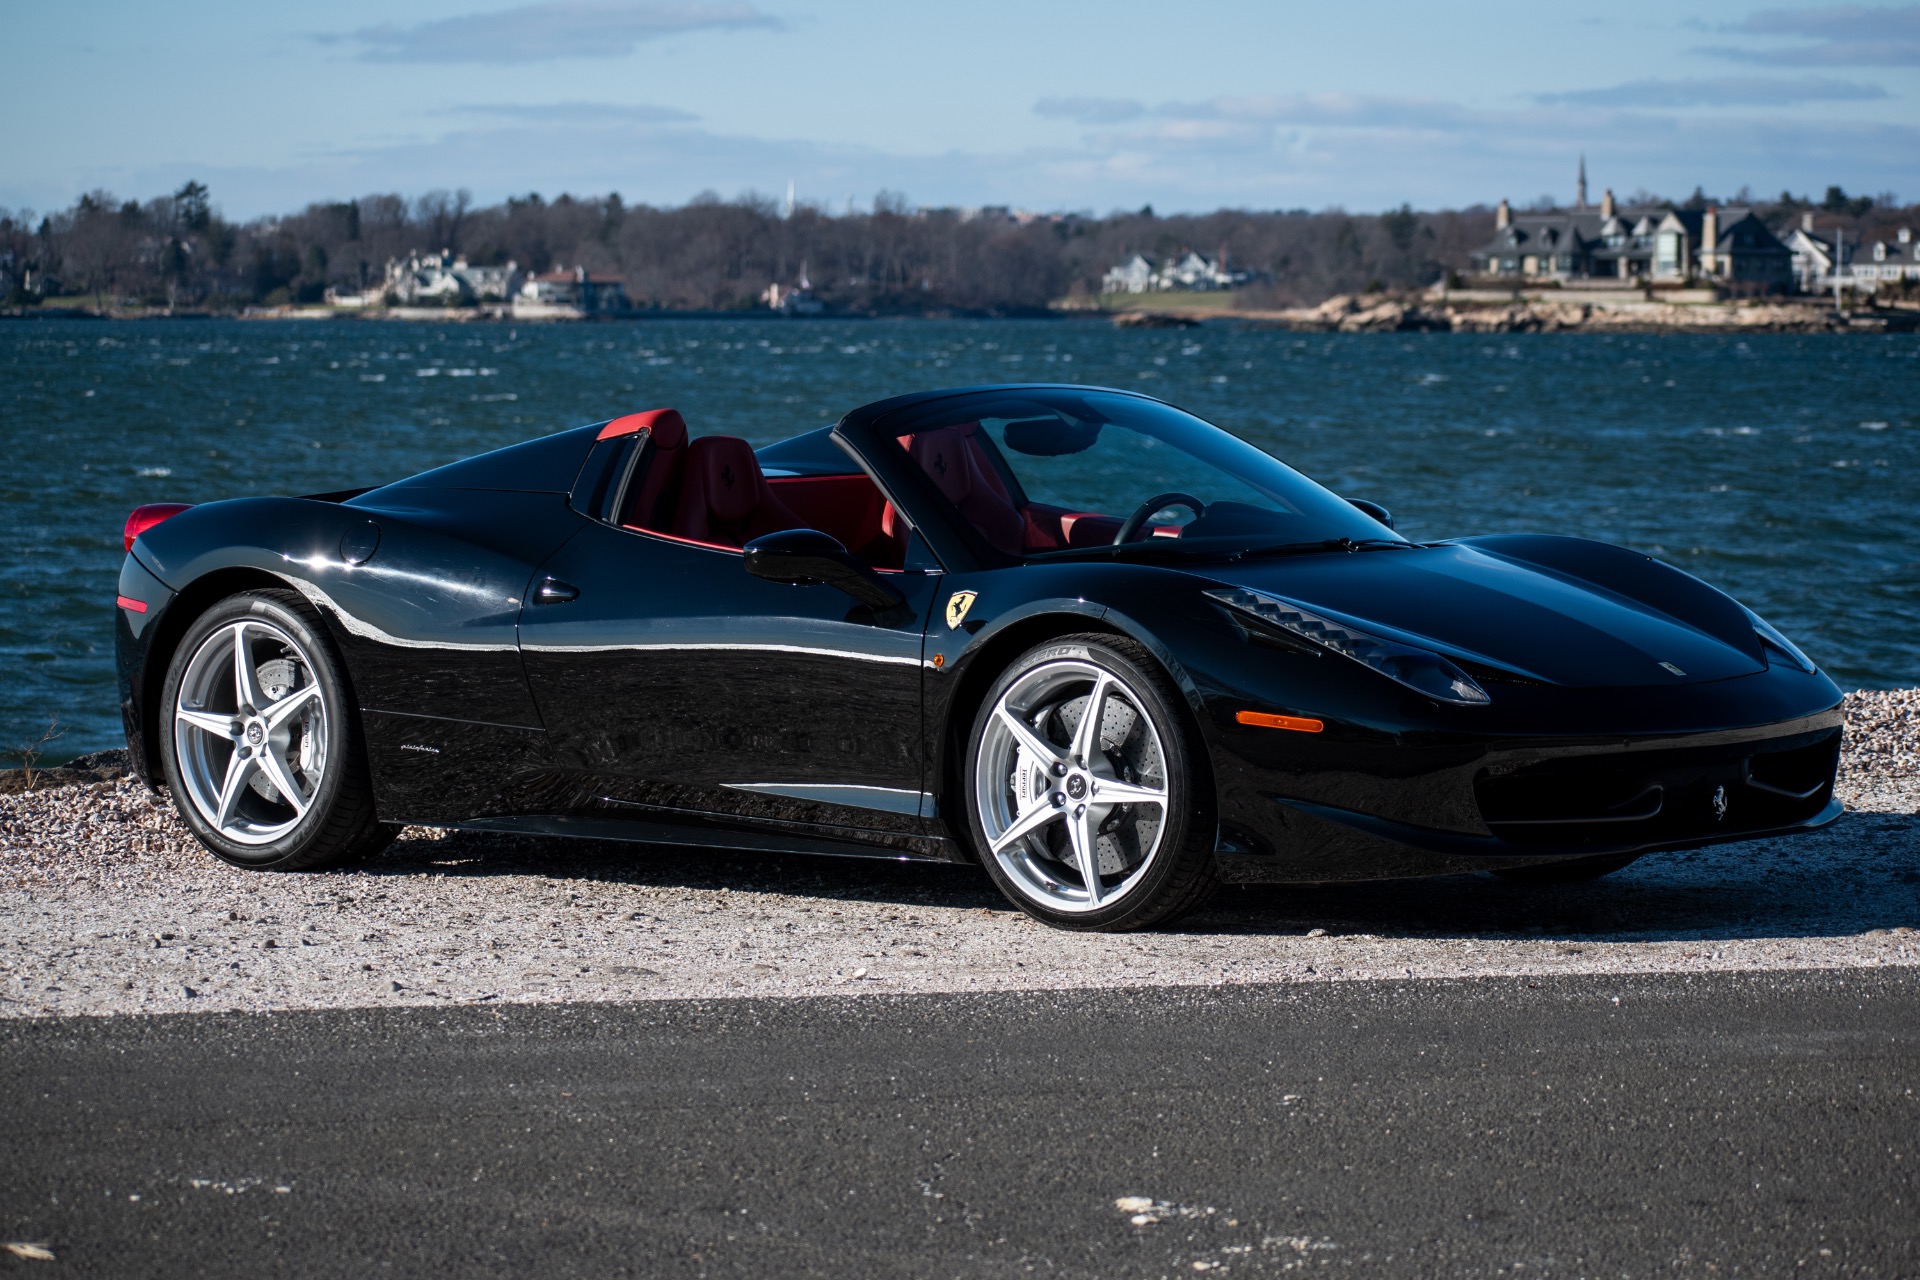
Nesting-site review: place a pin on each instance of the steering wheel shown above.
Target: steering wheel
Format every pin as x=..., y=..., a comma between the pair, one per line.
x=1159, y=502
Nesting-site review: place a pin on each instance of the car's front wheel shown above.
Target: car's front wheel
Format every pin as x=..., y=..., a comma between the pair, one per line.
x=259, y=744
x=1082, y=794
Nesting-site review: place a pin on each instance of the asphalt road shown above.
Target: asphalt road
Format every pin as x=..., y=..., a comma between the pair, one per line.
x=1724, y=1125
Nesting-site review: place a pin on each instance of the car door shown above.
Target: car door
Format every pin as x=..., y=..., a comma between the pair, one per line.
x=669, y=678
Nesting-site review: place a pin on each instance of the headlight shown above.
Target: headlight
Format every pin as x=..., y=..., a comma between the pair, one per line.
x=1419, y=669
x=1770, y=637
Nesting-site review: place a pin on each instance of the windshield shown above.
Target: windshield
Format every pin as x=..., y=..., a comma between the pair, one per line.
x=1058, y=473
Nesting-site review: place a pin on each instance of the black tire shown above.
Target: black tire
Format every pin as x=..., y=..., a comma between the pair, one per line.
x=339, y=825
x=1179, y=873
x=1570, y=870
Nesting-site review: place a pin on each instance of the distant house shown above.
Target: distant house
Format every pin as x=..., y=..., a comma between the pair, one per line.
x=576, y=290
x=349, y=300
x=995, y=215
x=1187, y=273
x=1135, y=275
x=1888, y=261
x=1813, y=256
x=793, y=300
x=441, y=279
x=1196, y=271
x=1652, y=243
x=1734, y=247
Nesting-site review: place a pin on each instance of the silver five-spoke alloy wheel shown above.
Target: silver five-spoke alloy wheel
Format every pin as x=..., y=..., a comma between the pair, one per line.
x=1071, y=786
x=250, y=731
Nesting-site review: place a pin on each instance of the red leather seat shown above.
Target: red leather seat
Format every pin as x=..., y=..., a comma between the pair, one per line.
x=951, y=458
x=724, y=498
x=649, y=504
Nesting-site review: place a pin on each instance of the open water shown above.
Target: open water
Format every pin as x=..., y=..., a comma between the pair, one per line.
x=1783, y=468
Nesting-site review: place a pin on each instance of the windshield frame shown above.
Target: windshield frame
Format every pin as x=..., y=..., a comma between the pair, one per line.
x=872, y=432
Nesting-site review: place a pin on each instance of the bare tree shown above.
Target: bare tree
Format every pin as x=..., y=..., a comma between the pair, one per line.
x=716, y=254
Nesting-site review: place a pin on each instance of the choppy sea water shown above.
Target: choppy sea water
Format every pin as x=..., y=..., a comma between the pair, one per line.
x=1783, y=468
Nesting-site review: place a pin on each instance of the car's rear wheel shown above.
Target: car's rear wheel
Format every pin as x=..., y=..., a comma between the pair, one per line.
x=1083, y=795
x=260, y=746
x=1570, y=870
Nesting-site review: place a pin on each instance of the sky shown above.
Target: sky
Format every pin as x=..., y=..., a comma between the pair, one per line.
x=1192, y=106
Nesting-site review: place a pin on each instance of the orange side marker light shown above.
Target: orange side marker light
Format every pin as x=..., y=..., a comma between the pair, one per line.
x=1267, y=720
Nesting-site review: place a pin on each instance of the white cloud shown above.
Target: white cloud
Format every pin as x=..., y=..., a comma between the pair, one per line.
x=1365, y=153
x=578, y=112
x=1722, y=91
x=1850, y=35
x=555, y=29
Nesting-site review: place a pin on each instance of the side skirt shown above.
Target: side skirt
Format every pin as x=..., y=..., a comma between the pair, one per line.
x=692, y=835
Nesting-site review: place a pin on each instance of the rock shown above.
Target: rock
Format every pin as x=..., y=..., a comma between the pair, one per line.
x=1153, y=320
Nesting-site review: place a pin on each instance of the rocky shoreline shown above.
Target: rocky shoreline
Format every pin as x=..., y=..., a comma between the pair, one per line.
x=111, y=907
x=1377, y=314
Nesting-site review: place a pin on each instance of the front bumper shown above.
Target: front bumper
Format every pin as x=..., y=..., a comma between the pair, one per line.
x=1325, y=844
x=1357, y=803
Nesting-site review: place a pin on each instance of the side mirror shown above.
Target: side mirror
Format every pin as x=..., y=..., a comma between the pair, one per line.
x=1373, y=509
x=806, y=556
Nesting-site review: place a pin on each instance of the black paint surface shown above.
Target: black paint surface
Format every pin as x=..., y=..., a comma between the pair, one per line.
x=666, y=682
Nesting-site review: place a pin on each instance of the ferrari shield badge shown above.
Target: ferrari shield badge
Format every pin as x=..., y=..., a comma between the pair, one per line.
x=957, y=605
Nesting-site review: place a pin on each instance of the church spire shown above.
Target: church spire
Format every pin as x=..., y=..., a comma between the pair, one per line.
x=1580, y=202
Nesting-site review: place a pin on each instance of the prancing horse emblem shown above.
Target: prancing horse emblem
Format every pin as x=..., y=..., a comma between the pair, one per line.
x=957, y=605
x=1719, y=804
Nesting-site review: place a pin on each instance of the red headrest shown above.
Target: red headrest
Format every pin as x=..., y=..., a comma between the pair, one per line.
x=728, y=474
x=668, y=427
x=944, y=455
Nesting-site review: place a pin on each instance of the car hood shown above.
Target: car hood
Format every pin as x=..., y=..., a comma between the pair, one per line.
x=1562, y=610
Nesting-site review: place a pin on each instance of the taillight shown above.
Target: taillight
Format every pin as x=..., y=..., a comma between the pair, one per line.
x=144, y=518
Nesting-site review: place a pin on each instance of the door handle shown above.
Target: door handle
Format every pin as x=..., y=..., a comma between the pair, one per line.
x=554, y=591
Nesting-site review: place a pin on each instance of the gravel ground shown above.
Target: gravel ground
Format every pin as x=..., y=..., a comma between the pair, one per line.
x=109, y=906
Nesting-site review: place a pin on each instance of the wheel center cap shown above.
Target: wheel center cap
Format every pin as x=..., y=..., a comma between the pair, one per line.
x=255, y=734
x=1077, y=786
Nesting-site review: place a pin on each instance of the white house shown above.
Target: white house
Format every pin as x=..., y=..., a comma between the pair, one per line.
x=1813, y=256
x=441, y=279
x=1197, y=271
x=1888, y=261
x=574, y=292
x=1135, y=275
x=1192, y=271
x=792, y=300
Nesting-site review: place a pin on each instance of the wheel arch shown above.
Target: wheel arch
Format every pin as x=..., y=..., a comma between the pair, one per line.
x=996, y=649
x=182, y=612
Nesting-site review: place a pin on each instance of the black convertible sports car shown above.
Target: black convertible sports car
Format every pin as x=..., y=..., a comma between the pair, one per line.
x=1111, y=652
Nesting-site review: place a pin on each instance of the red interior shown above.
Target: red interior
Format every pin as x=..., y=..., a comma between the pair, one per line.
x=712, y=491
x=667, y=422
x=959, y=464
x=853, y=510
x=650, y=499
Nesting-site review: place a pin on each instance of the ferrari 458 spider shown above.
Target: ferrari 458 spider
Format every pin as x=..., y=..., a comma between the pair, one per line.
x=1111, y=652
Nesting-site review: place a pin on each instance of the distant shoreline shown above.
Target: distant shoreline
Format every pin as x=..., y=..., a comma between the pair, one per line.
x=1461, y=311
